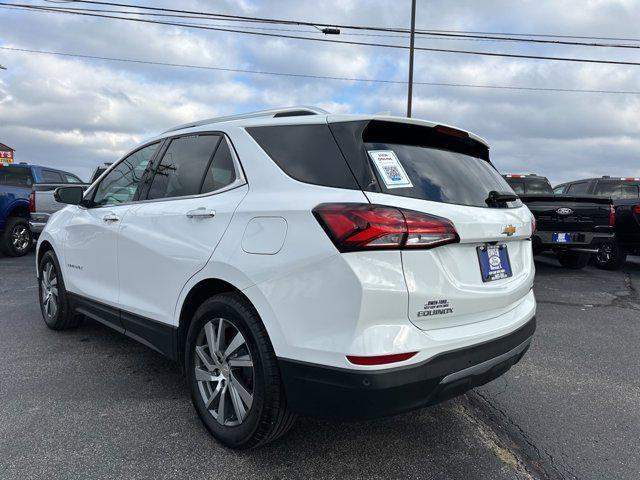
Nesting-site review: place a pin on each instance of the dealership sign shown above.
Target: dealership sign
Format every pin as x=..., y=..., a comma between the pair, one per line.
x=6, y=156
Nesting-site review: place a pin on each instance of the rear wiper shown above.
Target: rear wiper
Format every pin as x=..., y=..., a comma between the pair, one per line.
x=500, y=197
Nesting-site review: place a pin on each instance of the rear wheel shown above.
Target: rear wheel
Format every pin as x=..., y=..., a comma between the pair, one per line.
x=16, y=239
x=574, y=260
x=610, y=256
x=54, y=302
x=233, y=374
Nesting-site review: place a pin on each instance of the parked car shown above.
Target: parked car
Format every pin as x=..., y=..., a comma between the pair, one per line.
x=572, y=226
x=16, y=181
x=625, y=192
x=296, y=262
x=42, y=204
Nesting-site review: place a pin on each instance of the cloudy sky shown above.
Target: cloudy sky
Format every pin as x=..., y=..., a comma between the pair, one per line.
x=74, y=113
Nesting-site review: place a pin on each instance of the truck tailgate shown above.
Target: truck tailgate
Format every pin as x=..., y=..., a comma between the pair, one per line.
x=568, y=213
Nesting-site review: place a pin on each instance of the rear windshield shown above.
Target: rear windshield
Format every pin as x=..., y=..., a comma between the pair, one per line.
x=530, y=185
x=435, y=174
x=617, y=189
x=16, y=176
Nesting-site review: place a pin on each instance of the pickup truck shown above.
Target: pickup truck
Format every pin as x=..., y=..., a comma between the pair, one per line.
x=574, y=227
x=16, y=182
x=43, y=203
x=625, y=192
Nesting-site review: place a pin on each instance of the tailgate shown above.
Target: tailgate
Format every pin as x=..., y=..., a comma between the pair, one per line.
x=445, y=284
x=565, y=213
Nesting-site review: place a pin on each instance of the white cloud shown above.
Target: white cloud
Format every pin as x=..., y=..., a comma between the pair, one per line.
x=74, y=113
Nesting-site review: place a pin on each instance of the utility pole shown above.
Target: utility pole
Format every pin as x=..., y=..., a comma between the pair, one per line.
x=411, y=42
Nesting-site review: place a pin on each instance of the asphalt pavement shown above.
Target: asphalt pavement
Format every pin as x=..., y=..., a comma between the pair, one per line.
x=90, y=403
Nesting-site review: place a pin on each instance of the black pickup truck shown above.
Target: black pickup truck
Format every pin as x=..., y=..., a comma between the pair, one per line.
x=573, y=226
x=625, y=192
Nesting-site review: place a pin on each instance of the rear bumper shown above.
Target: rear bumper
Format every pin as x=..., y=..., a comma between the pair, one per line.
x=38, y=221
x=331, y=392
x=584, y=241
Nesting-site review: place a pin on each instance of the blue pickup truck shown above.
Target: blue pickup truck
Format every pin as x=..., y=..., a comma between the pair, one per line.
x=16, y=181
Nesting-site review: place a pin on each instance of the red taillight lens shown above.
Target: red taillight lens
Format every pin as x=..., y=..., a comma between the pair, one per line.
x=534, y=225
x=361, y=226
x=636, y=210
x=612, y=216
x=32, y=201
x=380, y=359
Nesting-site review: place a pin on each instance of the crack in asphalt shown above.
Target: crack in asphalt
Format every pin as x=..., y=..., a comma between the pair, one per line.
x=537, y=461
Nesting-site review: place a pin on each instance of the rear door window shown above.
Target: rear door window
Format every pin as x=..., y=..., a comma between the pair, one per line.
x=182, y=168
x=16, y=176
x=221, y=172
x=580, y=187
x=435, y=174
x=71, y=178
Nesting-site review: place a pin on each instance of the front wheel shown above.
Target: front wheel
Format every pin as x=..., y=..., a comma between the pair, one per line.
x=233, y=374
x=16, y=240
x=54, y=302
x=610, y=256
x=573, y=260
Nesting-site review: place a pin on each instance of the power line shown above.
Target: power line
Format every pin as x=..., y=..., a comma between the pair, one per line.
x=311, y=76
x=446, y=33
x=344, y=42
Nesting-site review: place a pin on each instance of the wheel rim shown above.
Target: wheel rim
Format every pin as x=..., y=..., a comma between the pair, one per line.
x=49, y=290
x=604, y=253
x=20, y=237
x=224, y=372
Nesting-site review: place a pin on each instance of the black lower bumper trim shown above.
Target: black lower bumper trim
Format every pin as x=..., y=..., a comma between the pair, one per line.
x=329, y=392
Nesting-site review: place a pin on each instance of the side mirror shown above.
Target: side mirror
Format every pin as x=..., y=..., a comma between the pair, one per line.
x=69, y=195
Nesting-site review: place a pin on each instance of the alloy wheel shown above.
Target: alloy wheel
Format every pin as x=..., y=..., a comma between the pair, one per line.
x=49, y=290
x=224, y=372
x=20, y=238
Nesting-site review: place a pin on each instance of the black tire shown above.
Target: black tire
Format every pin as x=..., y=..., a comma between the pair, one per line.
x=62, y=317
x=610, y=256
x=16, y=239
x=573, y=260
x=267, y=417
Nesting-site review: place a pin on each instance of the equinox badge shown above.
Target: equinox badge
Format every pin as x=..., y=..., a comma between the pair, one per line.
x=509, y=230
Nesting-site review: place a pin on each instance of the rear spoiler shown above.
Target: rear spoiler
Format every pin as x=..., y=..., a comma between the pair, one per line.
x=545, y=197
x=46, y=187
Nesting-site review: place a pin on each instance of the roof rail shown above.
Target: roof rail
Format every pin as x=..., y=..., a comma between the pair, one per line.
x=273, y=113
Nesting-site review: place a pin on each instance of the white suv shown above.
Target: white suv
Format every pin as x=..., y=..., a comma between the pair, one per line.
x=297, y=262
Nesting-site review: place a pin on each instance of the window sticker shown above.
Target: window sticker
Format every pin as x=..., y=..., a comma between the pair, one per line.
x=390, y=169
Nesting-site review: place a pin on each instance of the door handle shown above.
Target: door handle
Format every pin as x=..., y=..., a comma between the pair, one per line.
x=110, y=217
x=201, y=213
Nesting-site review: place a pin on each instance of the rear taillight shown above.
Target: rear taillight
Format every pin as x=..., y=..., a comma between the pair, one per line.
x=362, y=226
x=534, y=225
x=32, y=201
x=636, y=211
x=380, y=359
x=612, y=216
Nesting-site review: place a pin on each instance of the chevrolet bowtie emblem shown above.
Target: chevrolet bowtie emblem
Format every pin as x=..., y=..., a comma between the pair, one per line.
x=509, y=230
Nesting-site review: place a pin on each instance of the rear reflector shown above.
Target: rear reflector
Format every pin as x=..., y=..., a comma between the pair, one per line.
x=362, y=226
x=380, y=359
